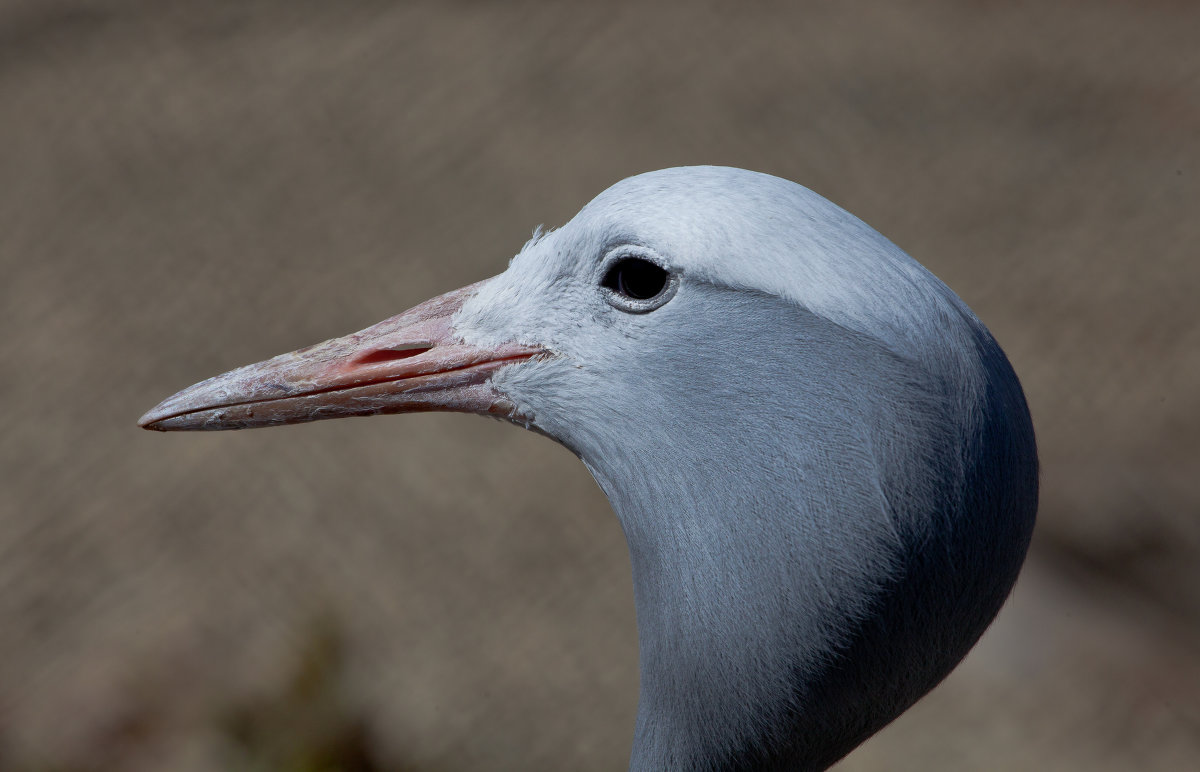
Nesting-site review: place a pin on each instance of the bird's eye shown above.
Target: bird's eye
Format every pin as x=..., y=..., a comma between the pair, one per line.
x=635, y=278
x=638, y=285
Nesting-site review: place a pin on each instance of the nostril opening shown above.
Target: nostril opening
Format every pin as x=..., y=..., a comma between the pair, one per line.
x=389, y=355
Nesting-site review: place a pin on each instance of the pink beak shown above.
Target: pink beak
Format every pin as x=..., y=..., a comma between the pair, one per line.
x=407, y=364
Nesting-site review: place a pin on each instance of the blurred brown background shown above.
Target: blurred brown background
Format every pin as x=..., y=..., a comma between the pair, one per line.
x=188, y=187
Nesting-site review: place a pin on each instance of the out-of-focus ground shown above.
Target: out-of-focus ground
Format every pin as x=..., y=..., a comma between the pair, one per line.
x=187, y=187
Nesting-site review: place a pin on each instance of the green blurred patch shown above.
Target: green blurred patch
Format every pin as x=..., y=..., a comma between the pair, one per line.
x=308, y=726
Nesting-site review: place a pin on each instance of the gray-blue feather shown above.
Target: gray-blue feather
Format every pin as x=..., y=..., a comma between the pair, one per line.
x=823, y=463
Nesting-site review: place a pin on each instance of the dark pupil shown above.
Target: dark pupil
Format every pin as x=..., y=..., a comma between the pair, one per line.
x=636, y=279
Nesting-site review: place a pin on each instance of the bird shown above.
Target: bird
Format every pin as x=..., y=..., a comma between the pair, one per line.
x=823, y=463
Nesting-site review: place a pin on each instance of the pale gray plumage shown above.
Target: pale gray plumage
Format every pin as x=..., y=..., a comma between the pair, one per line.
x=822, y=461
x=812, y=426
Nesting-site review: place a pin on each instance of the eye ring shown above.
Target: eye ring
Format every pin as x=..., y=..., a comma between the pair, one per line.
x=637, y=285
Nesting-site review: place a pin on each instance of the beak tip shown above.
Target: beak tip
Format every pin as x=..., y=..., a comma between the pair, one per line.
x=150, y=420
x=158, y=417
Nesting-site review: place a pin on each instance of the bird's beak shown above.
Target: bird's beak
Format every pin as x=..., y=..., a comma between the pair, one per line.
x=407, y=364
